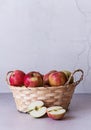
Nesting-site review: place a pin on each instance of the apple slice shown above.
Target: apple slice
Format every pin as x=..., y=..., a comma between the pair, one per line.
x=37, y=109
x=56, y=112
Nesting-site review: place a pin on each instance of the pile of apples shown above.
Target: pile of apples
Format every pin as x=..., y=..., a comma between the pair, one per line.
x=53, y=78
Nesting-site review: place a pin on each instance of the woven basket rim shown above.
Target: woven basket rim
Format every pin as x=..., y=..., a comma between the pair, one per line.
x=41, y=87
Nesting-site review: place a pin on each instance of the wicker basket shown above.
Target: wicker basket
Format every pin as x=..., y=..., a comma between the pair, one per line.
x=60, y=95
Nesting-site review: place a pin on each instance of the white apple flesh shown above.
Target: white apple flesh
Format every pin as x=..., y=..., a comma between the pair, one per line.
x=38, y=112
x=56, y=112
x=37, y=109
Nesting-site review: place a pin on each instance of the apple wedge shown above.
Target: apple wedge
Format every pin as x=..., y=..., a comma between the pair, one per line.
x=56, y=112
x=37, y=109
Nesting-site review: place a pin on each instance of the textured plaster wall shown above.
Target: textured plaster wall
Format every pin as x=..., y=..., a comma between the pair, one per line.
x=43, y=35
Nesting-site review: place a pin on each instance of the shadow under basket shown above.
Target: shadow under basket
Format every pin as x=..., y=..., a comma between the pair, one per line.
x=51, y=96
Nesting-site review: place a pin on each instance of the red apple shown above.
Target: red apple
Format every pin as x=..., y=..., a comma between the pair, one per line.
x=56, y=112
x=33, y=79
x=46, y=77
x=57, y=79
x=16, y=78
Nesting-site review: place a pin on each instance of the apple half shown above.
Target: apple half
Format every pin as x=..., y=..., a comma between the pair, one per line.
x=37, y=109
x=56, y=112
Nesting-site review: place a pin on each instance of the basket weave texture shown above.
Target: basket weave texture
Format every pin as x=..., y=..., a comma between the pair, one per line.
x=51, y=96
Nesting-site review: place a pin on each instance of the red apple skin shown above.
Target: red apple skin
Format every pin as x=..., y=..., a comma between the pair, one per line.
x=57, y=79
x=17, y=78
x=46, y=77
x=55, y=117
x=33, y=79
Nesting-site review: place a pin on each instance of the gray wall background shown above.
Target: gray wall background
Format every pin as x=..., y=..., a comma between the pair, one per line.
x=43, y=35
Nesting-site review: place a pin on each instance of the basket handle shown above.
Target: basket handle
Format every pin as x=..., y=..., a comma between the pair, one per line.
x=7, y=77
x=72, y=74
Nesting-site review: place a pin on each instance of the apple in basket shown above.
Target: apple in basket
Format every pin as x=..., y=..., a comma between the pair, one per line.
x=16, y=78
x=56, y=112
x=33, y=79
x=37, y=109
x=57, y=78
x=68, y=73
x=46, y=77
